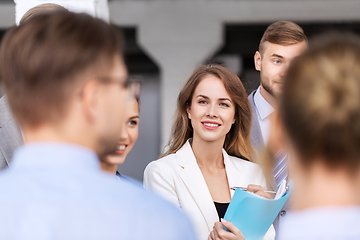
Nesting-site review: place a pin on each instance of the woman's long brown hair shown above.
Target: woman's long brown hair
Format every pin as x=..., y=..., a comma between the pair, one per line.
x=237, y=142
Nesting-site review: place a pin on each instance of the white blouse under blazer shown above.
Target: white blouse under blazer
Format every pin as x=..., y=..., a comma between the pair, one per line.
x=177, y=177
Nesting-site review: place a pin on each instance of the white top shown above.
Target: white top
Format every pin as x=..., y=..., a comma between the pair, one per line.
x=328, y=223
x=263, y=109
x=178, y=178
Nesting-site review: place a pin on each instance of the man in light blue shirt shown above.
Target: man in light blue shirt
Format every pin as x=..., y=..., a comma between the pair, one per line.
x=65, y=81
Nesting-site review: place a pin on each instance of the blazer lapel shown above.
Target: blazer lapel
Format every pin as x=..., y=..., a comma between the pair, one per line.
x=255, y=134
x=256, y=138
x=193, y=179
x=234, y=173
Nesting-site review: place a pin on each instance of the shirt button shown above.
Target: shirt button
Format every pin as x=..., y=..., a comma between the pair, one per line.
x=283, y=213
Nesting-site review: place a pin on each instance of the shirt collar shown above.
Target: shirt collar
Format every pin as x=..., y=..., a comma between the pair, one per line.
x=264, y=109
x=55, y=154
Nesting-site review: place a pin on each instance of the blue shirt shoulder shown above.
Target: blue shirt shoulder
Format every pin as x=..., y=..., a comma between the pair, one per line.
x=57, y=191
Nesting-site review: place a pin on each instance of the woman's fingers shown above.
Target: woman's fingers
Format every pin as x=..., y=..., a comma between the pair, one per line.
x=255, y=188
x=259, y=190
x=211, y=234
x=219, y=233
x=264, y=194
x=230, y=226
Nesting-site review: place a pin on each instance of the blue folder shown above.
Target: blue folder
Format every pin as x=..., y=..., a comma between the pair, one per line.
x=253, y=215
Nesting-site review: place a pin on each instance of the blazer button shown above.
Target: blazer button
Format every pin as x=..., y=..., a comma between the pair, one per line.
x=282, y=213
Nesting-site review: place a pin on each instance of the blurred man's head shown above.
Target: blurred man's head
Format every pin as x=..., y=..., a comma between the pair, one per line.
x=65, y=72
x=41, y=9
x=281, y=43
x=320, y=107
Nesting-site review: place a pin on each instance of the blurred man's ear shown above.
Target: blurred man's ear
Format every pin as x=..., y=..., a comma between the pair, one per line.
x=89, y=99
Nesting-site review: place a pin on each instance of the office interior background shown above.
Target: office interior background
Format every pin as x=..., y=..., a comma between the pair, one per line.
x=167, y=39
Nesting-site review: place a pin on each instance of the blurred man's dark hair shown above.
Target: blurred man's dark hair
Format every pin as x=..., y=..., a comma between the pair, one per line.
x=44, y=56
x=41, y=9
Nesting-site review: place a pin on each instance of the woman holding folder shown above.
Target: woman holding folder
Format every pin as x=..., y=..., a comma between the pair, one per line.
x=209, y=152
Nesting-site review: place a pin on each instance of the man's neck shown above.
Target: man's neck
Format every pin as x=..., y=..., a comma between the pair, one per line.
x=324, y=187
x=268, y=97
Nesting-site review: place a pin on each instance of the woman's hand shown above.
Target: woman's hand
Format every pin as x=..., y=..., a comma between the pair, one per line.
x=259, y=190
x=219, y=232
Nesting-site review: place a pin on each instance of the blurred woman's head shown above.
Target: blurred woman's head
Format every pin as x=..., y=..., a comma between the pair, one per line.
x=237, y=141
x=320, y=108
x=127, y=136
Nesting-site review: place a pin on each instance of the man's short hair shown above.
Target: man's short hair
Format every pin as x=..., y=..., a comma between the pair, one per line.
x=41, y=9
x=283, y=33
x=43, y=61
x=320, y=105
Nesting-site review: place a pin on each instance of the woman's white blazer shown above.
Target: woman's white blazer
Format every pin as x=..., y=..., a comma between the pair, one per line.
x=177, y=177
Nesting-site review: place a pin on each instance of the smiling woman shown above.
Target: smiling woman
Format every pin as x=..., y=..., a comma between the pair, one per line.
x=127, y=137
x=211, y=112
x=209, y=152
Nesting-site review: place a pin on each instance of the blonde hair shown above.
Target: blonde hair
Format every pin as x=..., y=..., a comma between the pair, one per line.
x=320, y=105
x=237, y=142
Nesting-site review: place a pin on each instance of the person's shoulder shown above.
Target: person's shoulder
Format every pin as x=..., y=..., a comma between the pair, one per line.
x=326, y=222
x=242, y=161
x=251, y=101
x=4, y=106
x=5, y=116
x=245, y=163
x=131, y=180
x=164, y=167
x=132, y=194
x=164, y=162
x=156, y=213
x=2, y=100
x=138, y=213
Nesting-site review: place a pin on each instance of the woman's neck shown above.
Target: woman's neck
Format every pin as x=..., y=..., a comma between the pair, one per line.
x=208, y=154
x=106, y=167
x=324, y=187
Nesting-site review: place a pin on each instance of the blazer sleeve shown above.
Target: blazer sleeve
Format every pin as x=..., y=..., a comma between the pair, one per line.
x=158, y=177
